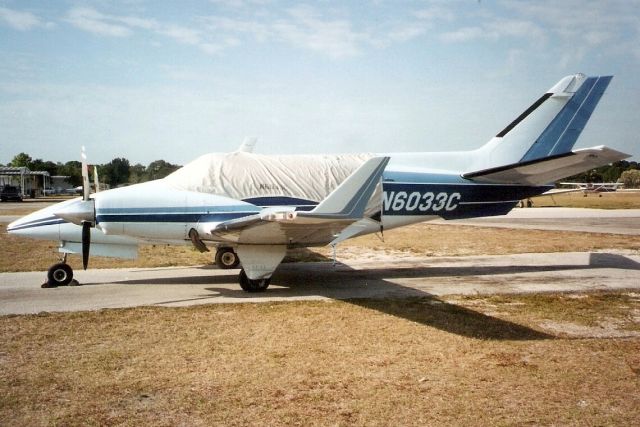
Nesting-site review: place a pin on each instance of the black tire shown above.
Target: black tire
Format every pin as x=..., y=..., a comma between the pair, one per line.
x=252, y=286
x=60, y=275
x=226, y=258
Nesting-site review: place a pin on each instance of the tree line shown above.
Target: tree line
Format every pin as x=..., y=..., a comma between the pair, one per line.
x=623, y=171
x=117, y=172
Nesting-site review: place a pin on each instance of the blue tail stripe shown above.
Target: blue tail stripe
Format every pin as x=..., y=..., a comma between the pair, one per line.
x=551, y=135
x=563, y=131
x=582, y=116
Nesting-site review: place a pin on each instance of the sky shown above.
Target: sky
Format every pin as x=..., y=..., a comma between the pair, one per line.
x=149, y=80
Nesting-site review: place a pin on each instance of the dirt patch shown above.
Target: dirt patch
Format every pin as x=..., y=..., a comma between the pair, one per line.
x=608, y=329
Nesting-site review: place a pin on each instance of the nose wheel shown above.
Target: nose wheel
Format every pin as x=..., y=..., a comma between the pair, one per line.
x=60, y=274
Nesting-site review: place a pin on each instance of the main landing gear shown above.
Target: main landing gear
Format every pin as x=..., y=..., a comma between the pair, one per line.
x=60, y=274
x=226, y=258
x=249, y=285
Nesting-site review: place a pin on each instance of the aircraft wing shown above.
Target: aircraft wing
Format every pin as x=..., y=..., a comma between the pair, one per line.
x=549, y=169
x=285, y=226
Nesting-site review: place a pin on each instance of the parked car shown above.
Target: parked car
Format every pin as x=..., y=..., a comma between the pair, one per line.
x=10, y=193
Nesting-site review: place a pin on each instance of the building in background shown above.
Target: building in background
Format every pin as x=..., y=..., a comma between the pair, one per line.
x=30, y=183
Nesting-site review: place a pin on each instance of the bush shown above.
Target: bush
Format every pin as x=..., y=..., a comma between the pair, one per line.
x=631, y=178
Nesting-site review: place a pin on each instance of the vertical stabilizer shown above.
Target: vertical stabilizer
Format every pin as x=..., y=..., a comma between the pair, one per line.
x=563, y=132
x=549, y=127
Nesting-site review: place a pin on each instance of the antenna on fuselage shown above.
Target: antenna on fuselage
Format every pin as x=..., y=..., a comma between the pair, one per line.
x=248, y=145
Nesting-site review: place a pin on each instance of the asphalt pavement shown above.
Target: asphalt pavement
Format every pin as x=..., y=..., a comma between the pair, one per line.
x=405, y=277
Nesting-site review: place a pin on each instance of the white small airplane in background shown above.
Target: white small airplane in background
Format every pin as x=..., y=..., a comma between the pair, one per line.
x=254, y=207
x=591, y=187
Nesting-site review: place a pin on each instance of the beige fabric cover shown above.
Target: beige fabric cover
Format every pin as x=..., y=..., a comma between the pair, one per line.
x=242, y=175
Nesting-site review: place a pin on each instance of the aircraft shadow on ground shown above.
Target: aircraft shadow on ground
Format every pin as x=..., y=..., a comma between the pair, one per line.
x=396, y=300
x=434, y=312
x=399, y=301
x=606, y=260
x=372, y=289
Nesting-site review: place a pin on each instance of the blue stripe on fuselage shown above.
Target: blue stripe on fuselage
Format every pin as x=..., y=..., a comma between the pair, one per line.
x=125, y=216
x=180, y=209
x=38, y=223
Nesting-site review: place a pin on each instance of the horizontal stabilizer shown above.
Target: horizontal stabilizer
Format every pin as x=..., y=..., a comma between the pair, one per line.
x=549, y=169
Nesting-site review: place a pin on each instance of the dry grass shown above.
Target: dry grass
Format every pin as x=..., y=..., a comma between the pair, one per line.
x=478, y=361
x=612, y=200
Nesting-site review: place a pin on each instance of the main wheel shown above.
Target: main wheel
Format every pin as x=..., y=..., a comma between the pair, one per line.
x=226, y=258
x=60, y=275
x=249, y=285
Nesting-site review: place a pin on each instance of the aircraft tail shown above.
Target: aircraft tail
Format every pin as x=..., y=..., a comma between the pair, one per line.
x=549, y=127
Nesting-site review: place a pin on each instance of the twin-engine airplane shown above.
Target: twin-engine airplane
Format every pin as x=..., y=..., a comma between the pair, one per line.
x=254, y=207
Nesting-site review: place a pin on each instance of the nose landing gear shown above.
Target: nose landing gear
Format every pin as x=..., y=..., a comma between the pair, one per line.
x=60, y=274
